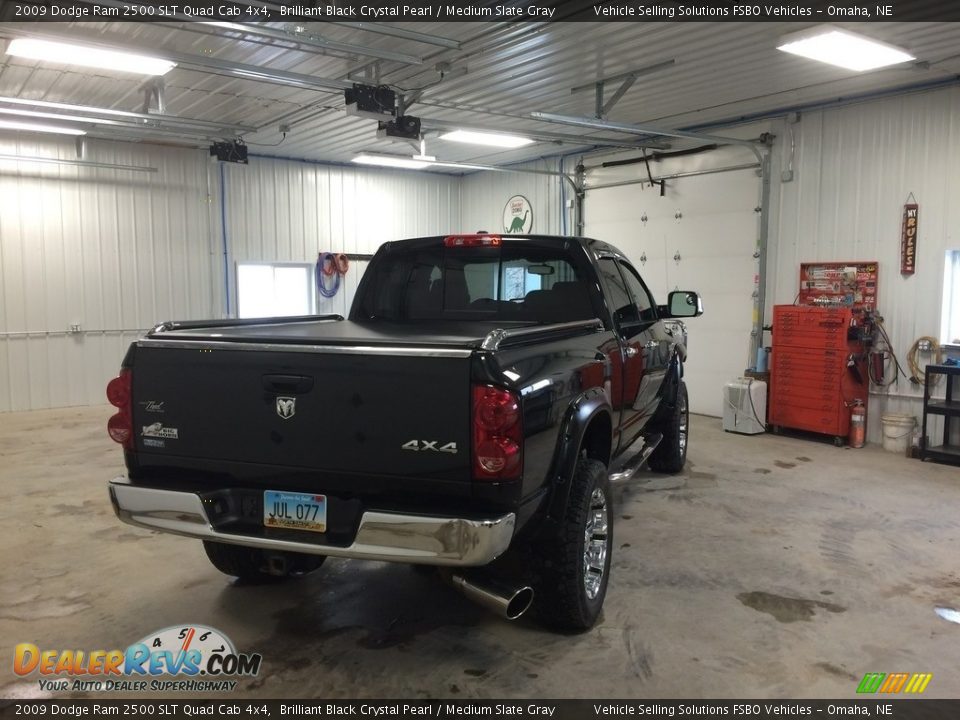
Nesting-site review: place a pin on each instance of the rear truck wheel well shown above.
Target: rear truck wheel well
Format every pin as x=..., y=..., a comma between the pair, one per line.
x=586, y=429
x=598, y=439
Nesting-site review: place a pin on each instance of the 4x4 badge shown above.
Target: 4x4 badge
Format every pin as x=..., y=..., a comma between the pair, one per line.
x=286, y=407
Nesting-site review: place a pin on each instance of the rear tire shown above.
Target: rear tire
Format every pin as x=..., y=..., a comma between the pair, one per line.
x=671, y=454
x=254, y=566
x=574, y=566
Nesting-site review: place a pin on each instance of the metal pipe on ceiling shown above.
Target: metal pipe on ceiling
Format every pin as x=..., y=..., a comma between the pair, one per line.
x=126, y=118
x=113, y=130
x=378, y=28
x=495, y=168
x=629, y=75
x=432, y=124
x=392, y=31
x=275, y=34
x=79, y=163
x=599, y=124
x=673, y=176
x=203, y=63
x=315, y=41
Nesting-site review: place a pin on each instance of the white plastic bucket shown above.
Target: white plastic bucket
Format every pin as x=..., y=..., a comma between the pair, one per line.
x=897, y=430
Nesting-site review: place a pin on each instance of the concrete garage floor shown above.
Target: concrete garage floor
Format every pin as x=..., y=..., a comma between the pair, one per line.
x=773, y=567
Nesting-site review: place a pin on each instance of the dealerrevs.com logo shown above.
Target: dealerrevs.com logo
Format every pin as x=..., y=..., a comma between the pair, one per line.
x=188, y=658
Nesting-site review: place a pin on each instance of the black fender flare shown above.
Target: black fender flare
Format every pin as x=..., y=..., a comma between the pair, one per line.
x=675, y=374
x=581, y=412
x=668, y=390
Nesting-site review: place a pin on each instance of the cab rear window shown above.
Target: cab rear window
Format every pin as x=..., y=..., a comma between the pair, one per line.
x=515, y=281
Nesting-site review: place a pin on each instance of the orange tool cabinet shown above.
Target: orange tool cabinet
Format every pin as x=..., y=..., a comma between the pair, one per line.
x=811, y=384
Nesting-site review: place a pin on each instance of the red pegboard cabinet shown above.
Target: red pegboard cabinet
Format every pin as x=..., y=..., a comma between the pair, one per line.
x=811, y=385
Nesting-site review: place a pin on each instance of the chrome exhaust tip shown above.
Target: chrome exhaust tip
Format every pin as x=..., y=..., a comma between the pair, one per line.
x=507, y=601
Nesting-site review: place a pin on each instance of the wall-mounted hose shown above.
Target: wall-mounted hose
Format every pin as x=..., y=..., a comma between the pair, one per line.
x=327, y=266
x=917, y=375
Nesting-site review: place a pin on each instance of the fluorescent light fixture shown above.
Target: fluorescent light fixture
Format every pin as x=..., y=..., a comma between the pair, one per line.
x=843, y=48
x=87, y=56
x=37, y=127
x=484, y=138
x=396, y=161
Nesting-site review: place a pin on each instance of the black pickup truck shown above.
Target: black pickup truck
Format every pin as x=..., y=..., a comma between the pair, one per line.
x=470, y=414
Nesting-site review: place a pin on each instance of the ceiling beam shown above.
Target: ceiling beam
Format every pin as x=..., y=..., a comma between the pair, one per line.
x=391, y=31
x=309, y=40
x=261, y=30
x=378, y=28
x=108, y=116
x=599, y=124
x=629, y=75
x=567, y=139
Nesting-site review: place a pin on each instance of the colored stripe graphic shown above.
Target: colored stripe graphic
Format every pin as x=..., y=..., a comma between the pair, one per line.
x=871, y=682
x=918, y=683
x=892, y=683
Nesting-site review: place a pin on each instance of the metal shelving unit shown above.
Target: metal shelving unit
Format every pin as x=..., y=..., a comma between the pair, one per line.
x=949, y=408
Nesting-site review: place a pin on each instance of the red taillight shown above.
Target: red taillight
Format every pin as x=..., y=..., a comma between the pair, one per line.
x=497, y=434
x=119, y=392
x=472, y=241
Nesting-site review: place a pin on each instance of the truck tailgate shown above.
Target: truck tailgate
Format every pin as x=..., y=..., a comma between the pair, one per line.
x=376, y=414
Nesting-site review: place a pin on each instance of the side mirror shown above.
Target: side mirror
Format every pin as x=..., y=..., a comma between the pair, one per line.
x=684, y=303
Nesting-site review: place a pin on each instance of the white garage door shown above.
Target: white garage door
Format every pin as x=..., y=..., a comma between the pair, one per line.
x=700, y=236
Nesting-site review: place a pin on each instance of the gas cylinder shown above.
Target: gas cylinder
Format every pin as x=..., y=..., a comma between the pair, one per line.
x=858, y=424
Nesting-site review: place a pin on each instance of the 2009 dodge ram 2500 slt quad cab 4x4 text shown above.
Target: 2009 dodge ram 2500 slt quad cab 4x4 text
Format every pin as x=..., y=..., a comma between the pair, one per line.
x=469, y=414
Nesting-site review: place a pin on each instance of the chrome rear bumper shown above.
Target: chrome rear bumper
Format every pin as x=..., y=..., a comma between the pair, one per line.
x=391, y=537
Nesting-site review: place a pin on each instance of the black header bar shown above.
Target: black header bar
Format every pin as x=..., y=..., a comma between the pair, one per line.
x=806, y=11
x=178, y=708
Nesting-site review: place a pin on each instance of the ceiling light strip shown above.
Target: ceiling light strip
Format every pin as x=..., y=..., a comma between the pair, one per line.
x=488, y=139
x=394, y=161
x=67, y=53
x=842, y=48
x=20, y=126
x=204, y=63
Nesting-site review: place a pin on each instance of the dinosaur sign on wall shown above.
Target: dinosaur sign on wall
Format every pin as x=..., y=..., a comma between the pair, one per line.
x=517, y=215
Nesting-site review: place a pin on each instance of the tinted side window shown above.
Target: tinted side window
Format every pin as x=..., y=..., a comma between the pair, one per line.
x=645, y=304
x=621, y=304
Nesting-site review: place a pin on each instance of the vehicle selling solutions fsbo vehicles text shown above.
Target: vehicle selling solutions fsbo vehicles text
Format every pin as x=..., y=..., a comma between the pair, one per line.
x=739, y=10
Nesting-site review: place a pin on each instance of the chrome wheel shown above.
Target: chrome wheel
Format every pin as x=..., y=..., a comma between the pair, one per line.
x=595, y=544
x=684, y=420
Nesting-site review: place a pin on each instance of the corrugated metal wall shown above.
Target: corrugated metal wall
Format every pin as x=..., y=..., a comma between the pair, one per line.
x=113, y=251
x=117, y=251
x=854, y=168
x=283, y=211
x=485, y=194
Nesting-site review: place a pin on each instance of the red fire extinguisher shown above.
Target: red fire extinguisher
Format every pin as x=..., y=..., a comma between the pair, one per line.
x=858, y=424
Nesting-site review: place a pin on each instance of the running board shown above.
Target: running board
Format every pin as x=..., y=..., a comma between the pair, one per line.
x=633, y=465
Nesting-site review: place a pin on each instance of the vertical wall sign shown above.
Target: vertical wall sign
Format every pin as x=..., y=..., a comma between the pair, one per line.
x=908, y=237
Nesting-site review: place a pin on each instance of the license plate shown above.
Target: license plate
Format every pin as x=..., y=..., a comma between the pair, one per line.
x=295, y=511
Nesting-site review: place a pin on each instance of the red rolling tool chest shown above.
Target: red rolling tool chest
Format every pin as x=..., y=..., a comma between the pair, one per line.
x=811, y=383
